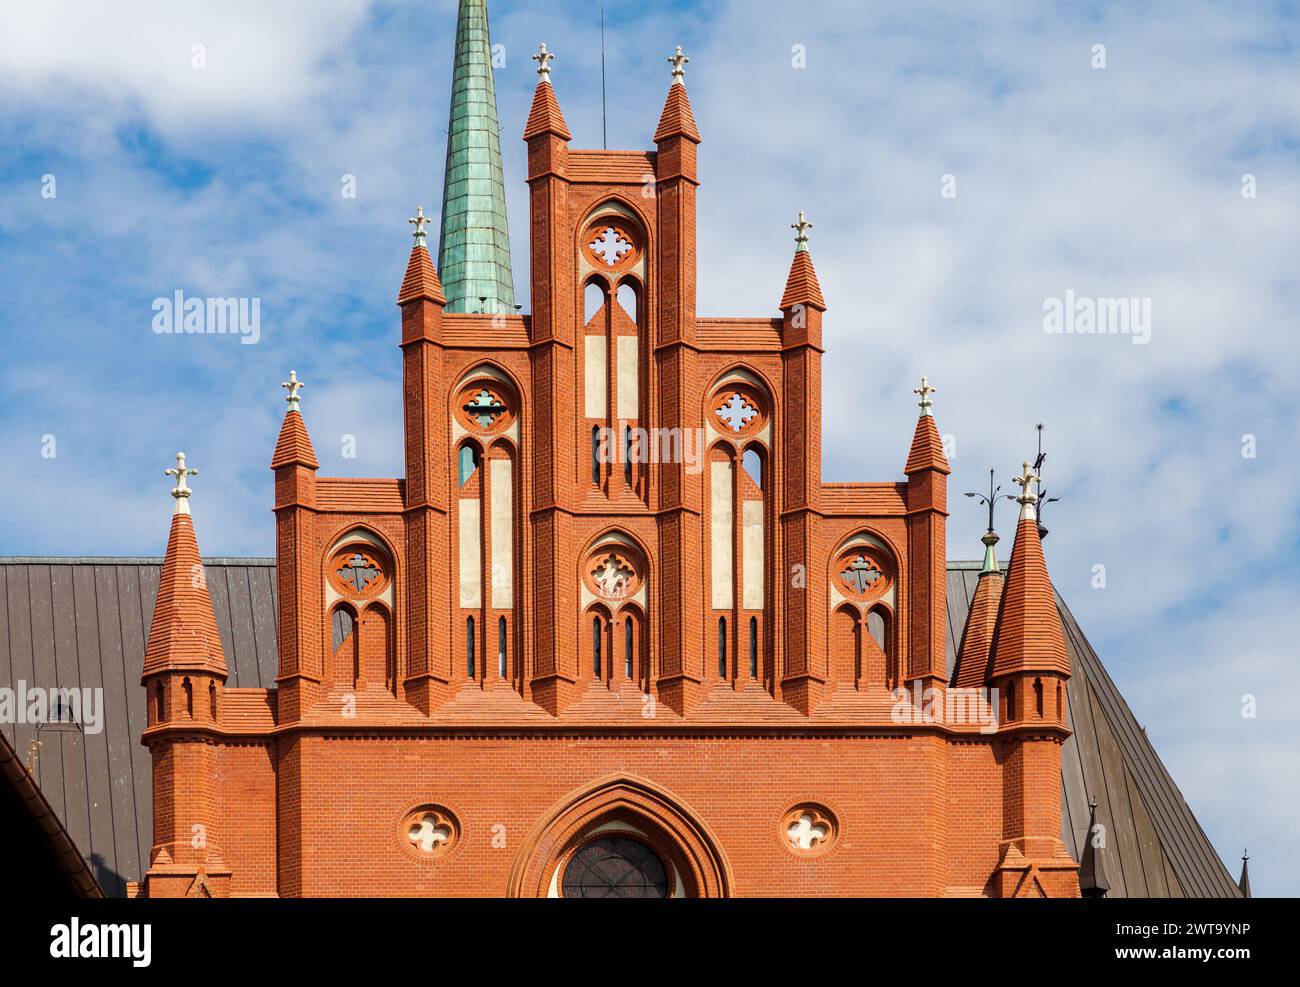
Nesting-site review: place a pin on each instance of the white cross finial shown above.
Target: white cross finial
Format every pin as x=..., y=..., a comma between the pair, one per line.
x=1027, y=498
x=543, y=58
x=925, y=390
x=293, y=385
x=801, y=229
x=182, y=489
x=678, y=61
x=420, y=221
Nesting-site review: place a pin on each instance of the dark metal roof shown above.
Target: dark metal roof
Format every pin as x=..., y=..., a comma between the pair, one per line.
x=66, y=622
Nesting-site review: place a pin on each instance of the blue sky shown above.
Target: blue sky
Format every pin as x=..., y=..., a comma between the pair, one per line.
x=1117, y=181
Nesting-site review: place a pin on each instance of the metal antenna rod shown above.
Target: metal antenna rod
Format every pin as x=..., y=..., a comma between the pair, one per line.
x=604, y=124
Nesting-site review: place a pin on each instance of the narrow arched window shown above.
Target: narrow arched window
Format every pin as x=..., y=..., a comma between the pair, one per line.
x=469, y=462
x=753, y=464
x=469, y=646
x=595, y=455
x=627, y=454
x=753, y=647
x=1038, y=696
x=1060, y=702
x=628, y=644
x=722, y=647
x=189, y=697
x=595, y=646
x=1011, y=701
x=501, y=647
x=159, y=708
x=212, y=700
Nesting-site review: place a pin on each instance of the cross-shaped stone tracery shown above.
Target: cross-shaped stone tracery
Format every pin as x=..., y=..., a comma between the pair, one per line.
x=804, y=833
x=357, y=573
x=860, y=574
x=610, y=246
x=737, y=412
x=485, y=409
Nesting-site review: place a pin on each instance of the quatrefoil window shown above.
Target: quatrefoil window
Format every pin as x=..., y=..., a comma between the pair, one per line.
x=430, y=831
x=610, y=246
x=805, y=833
x=429, y=835
x=808, y=829
x=737, y=412
x=861, y=575
x=737, y=409
x=613, y=575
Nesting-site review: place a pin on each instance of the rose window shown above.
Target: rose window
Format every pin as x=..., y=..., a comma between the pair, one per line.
x=484, y=407
x=357, y=571
x=613, y=576
x=860, y=574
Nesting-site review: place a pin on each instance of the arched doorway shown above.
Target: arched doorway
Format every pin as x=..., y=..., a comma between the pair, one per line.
x=620, y=836
x=615, y=867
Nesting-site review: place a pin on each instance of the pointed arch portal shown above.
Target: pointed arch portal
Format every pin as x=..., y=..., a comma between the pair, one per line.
x=627, y=825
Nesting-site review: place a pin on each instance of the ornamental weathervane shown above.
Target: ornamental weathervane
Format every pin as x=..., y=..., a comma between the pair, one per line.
x=182, y=490
x=543, y=58
x=293, y=385
x=801, y=229
x=1043, y=499
x=678, y=61
x=419, y=221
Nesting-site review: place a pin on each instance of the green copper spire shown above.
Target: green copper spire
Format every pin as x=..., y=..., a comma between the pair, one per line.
x=474, y=252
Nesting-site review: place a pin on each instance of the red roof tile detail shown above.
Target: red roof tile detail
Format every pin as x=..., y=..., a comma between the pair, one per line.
x=183, y=634
x=293, y=447
x=545, y=116
x=1029, y=635
x=927, y=448
x=677, y=119
x=421, y=279
x=801, y=287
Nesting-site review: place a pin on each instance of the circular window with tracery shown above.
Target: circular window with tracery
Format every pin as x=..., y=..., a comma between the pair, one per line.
x=861, y=573
x=358, y=572
x=430, y=831
x=611, y=244
x=612, y=573
x=615, y=867
x=809, y=829
x=485, y=406
x=737, y=410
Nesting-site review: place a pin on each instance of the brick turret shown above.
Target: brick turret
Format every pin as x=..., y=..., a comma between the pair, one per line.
x=1029, y=670
x=184, y=674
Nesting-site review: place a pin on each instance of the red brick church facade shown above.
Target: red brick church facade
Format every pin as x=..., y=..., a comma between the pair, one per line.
x=611, y=633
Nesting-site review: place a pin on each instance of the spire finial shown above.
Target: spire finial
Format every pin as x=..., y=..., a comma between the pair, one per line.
x=1027, y=498
x=925, y=390
x=543, y=58
x=419, y=221
x=801, y=229
x=678, y=61
x=182, y=490
x=293, y=385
